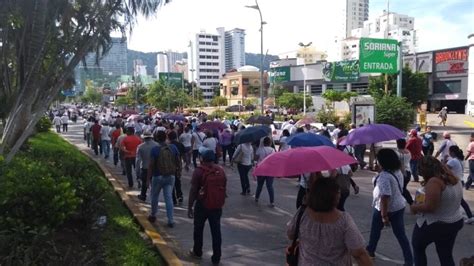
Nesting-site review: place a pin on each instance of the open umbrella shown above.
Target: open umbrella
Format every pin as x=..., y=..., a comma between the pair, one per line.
x=134, y=117
x=252, y=134
x=309, y=140
x=305, y=120
x=373, y=133
x=212, y=125
x=174, y=117
x=294, y=162
x=259, y=119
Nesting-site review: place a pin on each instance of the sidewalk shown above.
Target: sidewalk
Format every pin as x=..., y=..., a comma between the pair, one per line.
x=256, y=234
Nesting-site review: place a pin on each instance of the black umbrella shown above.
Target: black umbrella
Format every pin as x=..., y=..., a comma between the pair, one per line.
x=252, y=134
x=259, y=119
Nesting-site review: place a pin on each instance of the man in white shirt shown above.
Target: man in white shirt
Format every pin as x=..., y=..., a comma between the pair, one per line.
x=65, y=121
x=57, y=123
x=196, y=143
x=105, y=138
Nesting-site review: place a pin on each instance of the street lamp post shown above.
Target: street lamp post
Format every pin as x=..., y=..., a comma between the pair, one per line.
x=257, y=7
x=304, y=46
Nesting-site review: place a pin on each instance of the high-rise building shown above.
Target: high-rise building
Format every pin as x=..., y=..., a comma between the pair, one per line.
x=208, y=53
x=114, y=62
x=350, y=14
x=139, y=69
x=174, y=57
x=234, y=49
x=161, y=63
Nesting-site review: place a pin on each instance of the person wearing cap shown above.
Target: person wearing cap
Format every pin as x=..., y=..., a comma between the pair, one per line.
x=197, y=210
x=444, y=148
x=443, y=114
x=129, y=147
x=143, y=161
x=414, y=146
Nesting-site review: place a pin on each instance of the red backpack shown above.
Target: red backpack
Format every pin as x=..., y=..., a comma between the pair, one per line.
x=212, y=193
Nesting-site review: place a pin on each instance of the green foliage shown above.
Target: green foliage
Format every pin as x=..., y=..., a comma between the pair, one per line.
x=220, y=114
x=338, y=96
x=327, y=116
x=377, y=85
x=250, y=101
x=293, y=100
x=395, y=111
x=414, y=87
x=278, y=90
x=91, y=95
x=219, y=101
x=44, y=124
x=167, y=98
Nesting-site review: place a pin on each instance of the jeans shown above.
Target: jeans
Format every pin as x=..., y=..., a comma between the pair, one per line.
x=414, y=169
x=96, y=146
x=201, y=214
x=269, y=181
x=58, y=129
x=166, y=183
x=195, y=156
x=466, y=208
x=406, y=194
x=64, y=127
x=227, y=149
x=106, y=148
x=359, y=152
x=116, y=152
x=428, y=150
x=187, y=156
x=177, y=192
x=342, y=200
x=144, y=188
x=470, y=178
x=398, y=227
x=88, y=139
x=442, y=234
x=244, y=177
x=129, y=163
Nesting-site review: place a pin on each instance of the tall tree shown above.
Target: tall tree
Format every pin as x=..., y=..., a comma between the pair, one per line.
x=414, y=86
x=42, y=41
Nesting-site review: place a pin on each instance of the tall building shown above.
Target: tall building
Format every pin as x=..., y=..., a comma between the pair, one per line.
x=350, y=14
x=208, y=53
x=174, y=57
x=139, y=69
x=161, y=63
x=114, y=62
x=234, y=49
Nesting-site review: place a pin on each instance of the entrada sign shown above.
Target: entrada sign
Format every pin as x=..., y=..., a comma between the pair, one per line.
x=378, y=56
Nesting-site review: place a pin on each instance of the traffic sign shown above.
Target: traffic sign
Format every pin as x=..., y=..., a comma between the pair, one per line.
x=378, y=56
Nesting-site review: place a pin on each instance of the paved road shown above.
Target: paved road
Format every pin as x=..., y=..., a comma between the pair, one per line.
x=256, y=234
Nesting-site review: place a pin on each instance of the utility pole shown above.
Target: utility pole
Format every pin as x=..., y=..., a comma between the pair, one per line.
x=386, y=37
x=192, y=67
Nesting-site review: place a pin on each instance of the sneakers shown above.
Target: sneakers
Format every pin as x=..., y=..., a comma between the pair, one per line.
x=469, y=220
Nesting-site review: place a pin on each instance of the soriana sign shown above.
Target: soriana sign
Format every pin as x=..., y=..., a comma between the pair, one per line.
x=451, y=62
x=378, y=56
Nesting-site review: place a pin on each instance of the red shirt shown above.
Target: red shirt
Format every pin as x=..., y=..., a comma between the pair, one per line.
x=115, y=134
x=95, y=129
x=414, y=146
x=130, y=143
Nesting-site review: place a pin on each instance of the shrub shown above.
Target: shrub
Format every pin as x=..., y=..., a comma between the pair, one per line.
x=395, y=111
x=327, y=116
x=220, y=114
x=44, y=124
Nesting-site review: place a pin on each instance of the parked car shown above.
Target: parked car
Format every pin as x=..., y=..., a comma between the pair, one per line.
x=273, y=109
x=250, y=107
x=276, y=131
x=235, y=108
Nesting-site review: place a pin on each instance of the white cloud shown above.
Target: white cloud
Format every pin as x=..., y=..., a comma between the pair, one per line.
x=289, y=22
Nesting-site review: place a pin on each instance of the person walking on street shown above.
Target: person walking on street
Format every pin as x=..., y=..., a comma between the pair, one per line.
x=226, y=143
x=428, y=138
x=388, y=204
x=440, y=219
x=177, y=192
x=262, y=153
x=95, y=131
x=405, y=158
x=129, y=147
x=185, y=139
x=244, y=156
x=65, y=121
x=206, y=200
x=57, y=122
x=443, y=115
x=143, y=161
x=414, y=146
x=113, y=139
x=470, y=159
x=443, y=149
x=164, y=163
x=196, y=142
x=105, y=139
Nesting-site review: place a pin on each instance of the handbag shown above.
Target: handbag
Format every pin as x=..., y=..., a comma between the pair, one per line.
x=238, y=157
x=292, y=251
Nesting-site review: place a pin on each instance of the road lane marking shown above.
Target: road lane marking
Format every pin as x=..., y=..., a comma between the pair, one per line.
x=469, y=123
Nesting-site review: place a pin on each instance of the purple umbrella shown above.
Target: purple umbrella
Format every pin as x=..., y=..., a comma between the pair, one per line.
x=212, y=125
x=373, y=133
x=174, y=117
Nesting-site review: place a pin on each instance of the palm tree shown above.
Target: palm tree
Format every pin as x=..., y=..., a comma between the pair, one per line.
x=41, y=42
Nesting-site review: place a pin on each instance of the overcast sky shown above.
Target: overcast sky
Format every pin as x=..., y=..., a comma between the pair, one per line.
x=440, y=23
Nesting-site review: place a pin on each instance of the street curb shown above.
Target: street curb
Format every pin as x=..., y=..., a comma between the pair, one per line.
x=167, y=254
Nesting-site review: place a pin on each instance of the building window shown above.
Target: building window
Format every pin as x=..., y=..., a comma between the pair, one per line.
x=316, y=89
x=447, y=87
x=360, y=88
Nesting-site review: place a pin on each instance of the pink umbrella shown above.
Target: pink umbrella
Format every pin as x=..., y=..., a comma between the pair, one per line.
x=302, y=160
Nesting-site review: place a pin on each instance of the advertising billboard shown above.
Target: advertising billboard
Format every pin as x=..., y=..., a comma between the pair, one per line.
x=449, y=63
x=279, y=74
x=171, y=79
x=378, y=56
x=341, y=71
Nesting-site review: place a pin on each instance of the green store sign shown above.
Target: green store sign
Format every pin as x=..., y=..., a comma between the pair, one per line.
x=378, y=56
x=342, y=71
x=171, y=79
x=279, y=74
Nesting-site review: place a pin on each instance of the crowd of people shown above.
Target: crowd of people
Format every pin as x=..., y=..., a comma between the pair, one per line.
x=153, y=152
